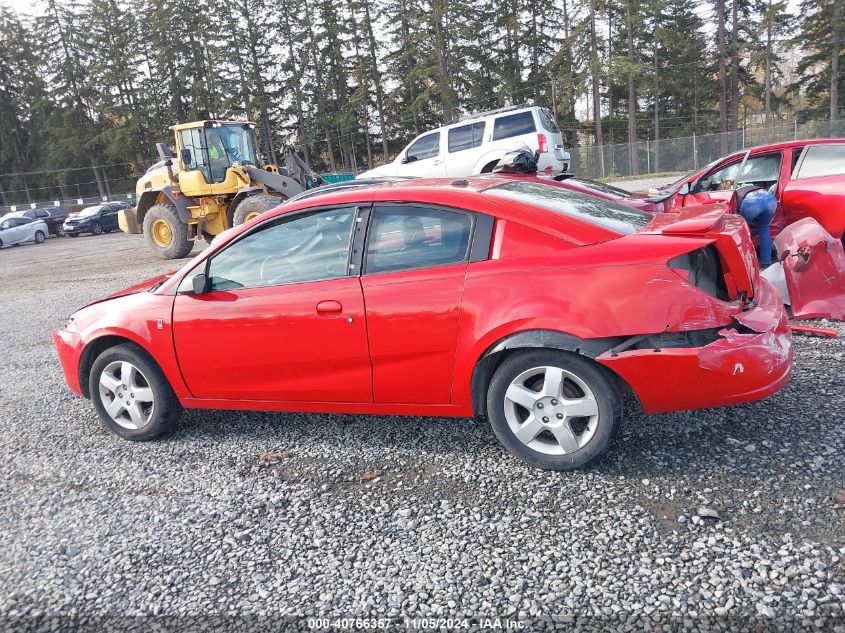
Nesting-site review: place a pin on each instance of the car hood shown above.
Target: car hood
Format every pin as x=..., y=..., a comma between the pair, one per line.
x=140, y=287
x=382, y=170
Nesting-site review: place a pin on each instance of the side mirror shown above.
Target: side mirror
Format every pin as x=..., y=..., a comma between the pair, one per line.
x=187, y=159
x=200, y=283
x=684, y=190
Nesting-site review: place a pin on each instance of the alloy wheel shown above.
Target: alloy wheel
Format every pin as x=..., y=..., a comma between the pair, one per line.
x=126, y=395
x=551, y=410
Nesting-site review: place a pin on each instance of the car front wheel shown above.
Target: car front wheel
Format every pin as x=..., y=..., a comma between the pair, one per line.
x=131, y=394
x=553, y=409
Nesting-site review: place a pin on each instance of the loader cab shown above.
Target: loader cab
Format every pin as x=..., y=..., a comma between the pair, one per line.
x=207, y=149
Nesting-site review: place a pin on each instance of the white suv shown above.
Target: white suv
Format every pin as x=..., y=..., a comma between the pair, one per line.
x=474, y=145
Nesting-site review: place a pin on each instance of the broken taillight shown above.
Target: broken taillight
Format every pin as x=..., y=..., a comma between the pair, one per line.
x=543, y=144
x=703, y=270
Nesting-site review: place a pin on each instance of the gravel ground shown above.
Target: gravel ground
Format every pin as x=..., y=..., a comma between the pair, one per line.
x=260, y=520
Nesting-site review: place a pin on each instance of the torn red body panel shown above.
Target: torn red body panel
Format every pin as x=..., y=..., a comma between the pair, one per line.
x=824, y=332
x=814, y=267
x=756, y=353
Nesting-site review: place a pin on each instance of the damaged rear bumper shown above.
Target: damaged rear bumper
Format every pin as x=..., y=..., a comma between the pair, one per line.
x=749, y=361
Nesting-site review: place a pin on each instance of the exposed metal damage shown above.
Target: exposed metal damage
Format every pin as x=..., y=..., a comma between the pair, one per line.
x=811, y=274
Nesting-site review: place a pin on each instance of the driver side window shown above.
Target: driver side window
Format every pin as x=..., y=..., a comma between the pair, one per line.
x=426, y=147
x=292, y=250
x=722, y=178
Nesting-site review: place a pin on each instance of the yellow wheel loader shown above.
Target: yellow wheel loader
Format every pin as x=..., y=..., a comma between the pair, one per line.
x=213, y=182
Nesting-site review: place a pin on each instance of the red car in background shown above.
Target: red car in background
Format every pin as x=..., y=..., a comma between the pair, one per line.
x=807, y=178
x=497, y=296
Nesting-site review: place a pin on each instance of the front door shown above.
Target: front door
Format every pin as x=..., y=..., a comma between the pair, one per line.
x=109, y=218
x=424, y=157
x=282, y=320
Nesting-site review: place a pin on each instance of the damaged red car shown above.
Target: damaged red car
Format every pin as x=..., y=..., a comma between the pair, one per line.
x=806, y=176
x=534, y=306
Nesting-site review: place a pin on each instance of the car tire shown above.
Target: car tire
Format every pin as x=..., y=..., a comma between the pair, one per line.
x=255, y=205
x=39, y=237
x=547, y=435
x=72, y=234
x=60, y=232
x=127, y=371
x=96, y=229
x=166, y=234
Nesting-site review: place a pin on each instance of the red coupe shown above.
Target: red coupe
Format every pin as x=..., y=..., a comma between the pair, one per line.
x=532, y=305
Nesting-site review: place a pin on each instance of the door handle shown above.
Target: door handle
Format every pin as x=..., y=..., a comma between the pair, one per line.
x=329, y=307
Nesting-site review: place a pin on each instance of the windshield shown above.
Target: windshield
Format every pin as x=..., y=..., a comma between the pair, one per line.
x=89, y=211
x=232, y=142
x=227, y=144
x=610, y=215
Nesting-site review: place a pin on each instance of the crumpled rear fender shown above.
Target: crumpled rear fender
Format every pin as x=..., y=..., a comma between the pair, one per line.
x=750, y=360
x=814, y=268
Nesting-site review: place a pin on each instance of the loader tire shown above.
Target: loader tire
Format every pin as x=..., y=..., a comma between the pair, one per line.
x=166, y=234
x=253, y=206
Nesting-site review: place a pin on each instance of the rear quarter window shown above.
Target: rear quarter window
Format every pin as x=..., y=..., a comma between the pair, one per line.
x=466, y=136
x=610, y=215
x=513, y=125
x=547, y=120
x=822, y=160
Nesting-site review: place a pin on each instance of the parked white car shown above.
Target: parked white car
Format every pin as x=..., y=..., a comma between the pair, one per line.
x=474, y=145
x=17, y=230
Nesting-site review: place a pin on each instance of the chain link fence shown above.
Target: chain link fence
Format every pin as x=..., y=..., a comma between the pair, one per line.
x=688, y=153
x=682, y=154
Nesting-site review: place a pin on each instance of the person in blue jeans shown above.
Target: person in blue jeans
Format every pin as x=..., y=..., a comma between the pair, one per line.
x=760, y=205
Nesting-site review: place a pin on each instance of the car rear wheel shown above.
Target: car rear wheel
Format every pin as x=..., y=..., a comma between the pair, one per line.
x=132, y=395
x=39, y=237
x=553, y=409
x=60, y=232
x=96, y=228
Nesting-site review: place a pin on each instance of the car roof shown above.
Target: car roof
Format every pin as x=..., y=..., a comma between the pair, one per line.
x=483, y=116
x=462, y=194
x=788, y=144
